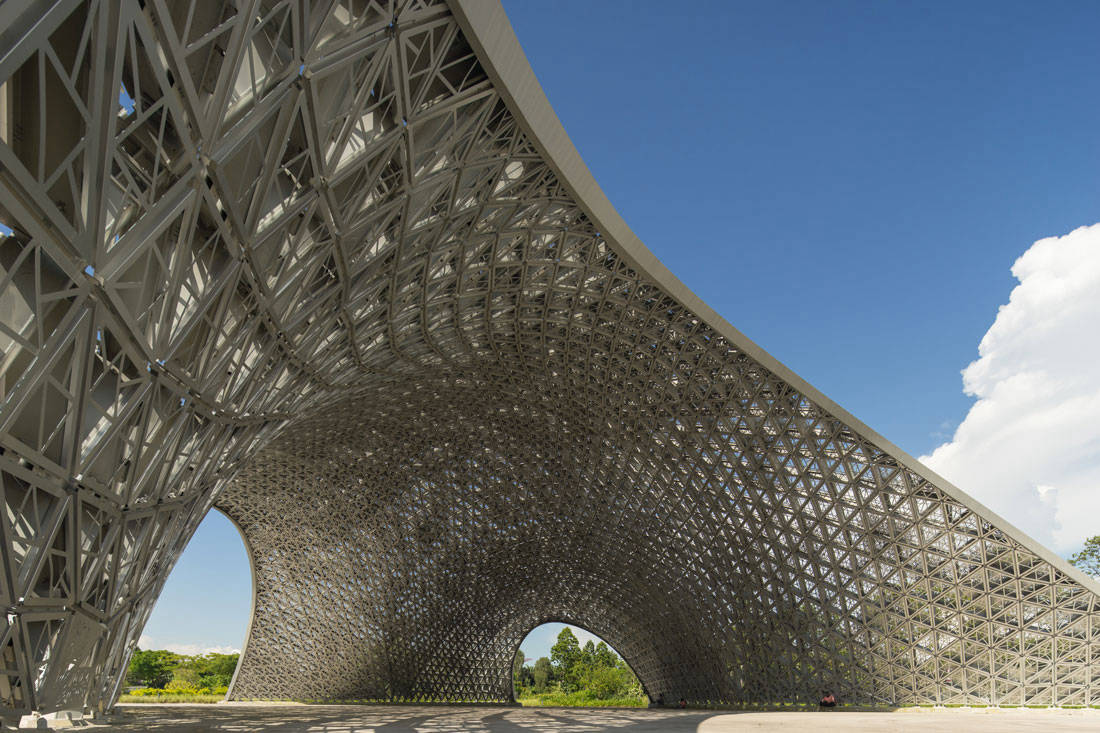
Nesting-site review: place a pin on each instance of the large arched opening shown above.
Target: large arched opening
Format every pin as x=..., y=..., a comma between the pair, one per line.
x=563, y=664
x=194, y=637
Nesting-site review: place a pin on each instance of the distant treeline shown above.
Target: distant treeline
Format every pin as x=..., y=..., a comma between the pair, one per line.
x=592, y=673
x=165, y=670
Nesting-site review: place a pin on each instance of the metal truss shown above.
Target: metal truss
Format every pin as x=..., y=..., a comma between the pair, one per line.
x=339, y=271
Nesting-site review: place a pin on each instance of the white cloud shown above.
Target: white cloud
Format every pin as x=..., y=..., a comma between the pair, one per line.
x=148, y=642
x=1030, y=446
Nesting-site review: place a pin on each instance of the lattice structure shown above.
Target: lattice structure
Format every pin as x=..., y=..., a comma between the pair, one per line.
x=337, y=269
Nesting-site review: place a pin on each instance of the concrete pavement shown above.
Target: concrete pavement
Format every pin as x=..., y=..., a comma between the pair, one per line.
x=276, y=718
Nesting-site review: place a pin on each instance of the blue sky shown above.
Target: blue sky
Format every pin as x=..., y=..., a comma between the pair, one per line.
x=207, y=600
x=851, y=185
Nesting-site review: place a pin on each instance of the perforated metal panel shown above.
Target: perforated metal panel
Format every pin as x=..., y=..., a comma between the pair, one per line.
x=339, y=271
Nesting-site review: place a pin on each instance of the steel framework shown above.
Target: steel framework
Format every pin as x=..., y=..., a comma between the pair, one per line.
x=338, y=270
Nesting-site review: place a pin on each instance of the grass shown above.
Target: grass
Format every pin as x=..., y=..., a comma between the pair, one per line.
x=579, y=700
x=174, y=694
x=173, y=697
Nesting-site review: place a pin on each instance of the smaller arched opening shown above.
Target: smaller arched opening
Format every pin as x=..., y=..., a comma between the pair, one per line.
x=561, y=664
x=194, y=637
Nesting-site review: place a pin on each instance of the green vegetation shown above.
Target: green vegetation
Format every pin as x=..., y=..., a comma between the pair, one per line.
x=150, y=694
x=163, y=676
x=577, y=677
x=580, y=700
x=1088, y=559
x=573, y=676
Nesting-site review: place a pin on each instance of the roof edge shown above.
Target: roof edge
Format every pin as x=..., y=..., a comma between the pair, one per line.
x=490, y=33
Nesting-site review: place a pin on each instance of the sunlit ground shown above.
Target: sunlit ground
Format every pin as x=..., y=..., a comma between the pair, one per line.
x=239, y=717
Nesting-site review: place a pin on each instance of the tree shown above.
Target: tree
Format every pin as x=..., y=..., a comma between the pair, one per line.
x=152, y=668
x=542, y=674
x=588, y=654
x=632, y=686
x=209, y=670
x=568, y=660
x=592, y=673
x=1088, y=559
x=186, y=676
x=604, y=657
x=605, y=683
x=522, y=676
x=159, y=668
x=216, y=670
x=566, y=652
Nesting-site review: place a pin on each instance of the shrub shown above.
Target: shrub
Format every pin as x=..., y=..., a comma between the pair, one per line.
x=581, y=699
x=604, y=683
x=180, y=685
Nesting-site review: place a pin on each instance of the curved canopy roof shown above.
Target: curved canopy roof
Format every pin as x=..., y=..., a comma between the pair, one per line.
x=340, y=271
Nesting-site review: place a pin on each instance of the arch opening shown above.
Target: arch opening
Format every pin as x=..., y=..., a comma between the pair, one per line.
x=193, y=640
x=563, y=664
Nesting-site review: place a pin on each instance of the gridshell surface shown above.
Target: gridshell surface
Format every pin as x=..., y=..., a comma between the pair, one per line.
x=334, y=268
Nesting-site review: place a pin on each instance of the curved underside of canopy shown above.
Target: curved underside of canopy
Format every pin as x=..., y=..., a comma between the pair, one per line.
x=338, y=270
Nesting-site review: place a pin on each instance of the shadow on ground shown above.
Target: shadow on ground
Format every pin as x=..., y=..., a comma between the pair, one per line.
x=387, y=719
x=269, y=718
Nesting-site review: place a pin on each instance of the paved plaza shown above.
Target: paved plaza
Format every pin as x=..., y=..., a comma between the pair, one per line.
x=270, y=718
